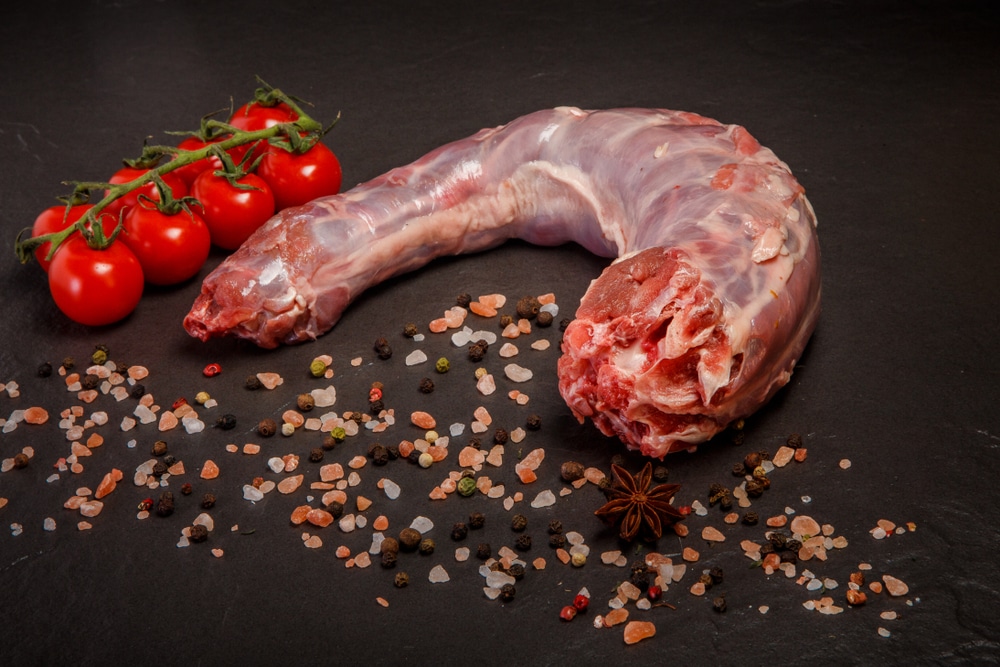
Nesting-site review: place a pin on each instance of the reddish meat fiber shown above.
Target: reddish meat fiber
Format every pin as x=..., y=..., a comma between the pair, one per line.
x=712, y=299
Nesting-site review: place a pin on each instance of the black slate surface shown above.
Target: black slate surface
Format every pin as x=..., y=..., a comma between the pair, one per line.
x=884, y=111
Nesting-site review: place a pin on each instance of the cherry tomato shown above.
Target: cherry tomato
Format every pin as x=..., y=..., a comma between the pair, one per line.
x=95, y=287
x=126, y=174
x=189, y=172
x=170, y=248
x=297, y=178
x=254, y=116
x=51, y=220
x=232, y=214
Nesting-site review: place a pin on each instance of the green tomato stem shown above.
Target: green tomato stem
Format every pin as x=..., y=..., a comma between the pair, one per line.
x=88, y=225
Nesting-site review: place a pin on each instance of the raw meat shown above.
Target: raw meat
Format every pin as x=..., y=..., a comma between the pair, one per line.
x=712, y=299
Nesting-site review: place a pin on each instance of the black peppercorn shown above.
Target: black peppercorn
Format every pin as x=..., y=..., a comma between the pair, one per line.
x=376, y=406
x=544, y=319
x=197, y=533
x=793, y=545
x=45, y=370
x=750, y=518
x=426, y=546
x=137, y=391
x=475, y=443
x=527, y=307
x=752, y=460
x=777, y=539
x=159, y=448
x=253, y=383
x=478, y=350
x=483, y=551
x=400, y=580
x=329, y=442
x=90, y=381
x=426, y=386
x=169, y=460
x=409, y=539
x=186, y=489
x=459, y=531
x=335, y=508
x=389, y=559
x=523, y=542
x=165, y=506
x=788, y=556
x=557, y=541
x=640, y=576
x=21, y=460
x=518, y=522
x=794, y=441
x=507, y=592
x=159, y=468
x=754, y=488
x=379, y=454
x=267, y=427
x=463, y=300
x=719, y=604
x=516, y=570
x=716, y=574
x=555, y=527
x=410, y=330
x=226, y=422
x=533, y=422
x=739, y=470
x=505, y=321
x=563, y=323
x=382, y=349
x=500, y=436
x=315, y=455
x=477, y=520
x=618, y=460
x=68, y=363
x=738, y=438
x=208, y=501
x=706, y=580
x=390, y=545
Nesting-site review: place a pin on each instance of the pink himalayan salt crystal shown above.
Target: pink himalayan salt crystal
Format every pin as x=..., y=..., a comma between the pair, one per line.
x=805, y=526
x=486, y=385
x=495, y=457
x=517, y=373
x=84, y=525
x=422, y=419
x=531, y=461
x=482, y=414
x=711, y=534
x=270, y=380
x=168, y=420
x=331, y=472
x=218, y=553
x=470, y=456
x=895, y=587
x=313, y=542
x=290, y=484
x=91, y=508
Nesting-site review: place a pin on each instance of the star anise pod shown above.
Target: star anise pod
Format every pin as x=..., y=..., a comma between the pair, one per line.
x=636, y=507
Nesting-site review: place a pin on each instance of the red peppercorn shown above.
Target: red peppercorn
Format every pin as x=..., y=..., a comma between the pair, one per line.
x=146, y=504
x=581, y=602
x=179, y=402
x=684, y=509
x=654, y=593
x=375, y=394
x=212, y=370
x=568, y=613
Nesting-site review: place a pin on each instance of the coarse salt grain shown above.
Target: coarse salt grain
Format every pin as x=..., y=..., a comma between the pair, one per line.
x=438, y=575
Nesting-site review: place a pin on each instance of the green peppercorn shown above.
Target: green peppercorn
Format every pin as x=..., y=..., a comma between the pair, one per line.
x=409, y=539
x=338, y=434
x=253, y=383
x=426, y=546
x=99, y=356
x=518, y=522
x=401, y=580
x=459, y=531
x=317, y=368
x=442, y=365
x=466, y=486
x=267, y=427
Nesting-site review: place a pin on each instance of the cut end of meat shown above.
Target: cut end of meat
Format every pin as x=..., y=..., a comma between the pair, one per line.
x=647, y=358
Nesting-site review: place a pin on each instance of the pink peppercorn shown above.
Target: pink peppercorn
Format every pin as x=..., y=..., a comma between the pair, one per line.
x=581, y=602
x=568, y=613
x=212, y=370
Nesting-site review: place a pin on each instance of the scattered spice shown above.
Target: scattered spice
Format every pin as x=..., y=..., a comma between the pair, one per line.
x=636, y=507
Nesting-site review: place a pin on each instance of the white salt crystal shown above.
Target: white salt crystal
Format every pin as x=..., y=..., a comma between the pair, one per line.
x=497, y=579
x=544, y=499
x=276, y=464
x=391, y=489
x=52, y=478
x=422, y=524
x=361, y=521
x=205, y=519
x=348, y=523
x=49, y=524
x=183, y=542
x=551, y=308
x=377, y=539
x=251, y=493
x=193, y=424
x=438, y=575
x=456, y=429
x=416, y=357
x=16, y=529
x=488, y=336
x=517, y=373
x=461, y=338
x=324, y=398
x=491, y=593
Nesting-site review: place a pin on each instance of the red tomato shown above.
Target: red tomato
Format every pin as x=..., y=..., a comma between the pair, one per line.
x=189, y=172
x=297, y=178
x=232, y=214
x=95, y=287
x=126, y=174
x=254, y=116
x=51, y=220
x=170, y=248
